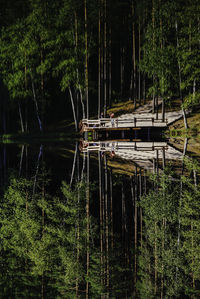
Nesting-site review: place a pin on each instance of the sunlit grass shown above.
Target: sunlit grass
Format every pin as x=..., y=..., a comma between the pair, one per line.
x=122, y=107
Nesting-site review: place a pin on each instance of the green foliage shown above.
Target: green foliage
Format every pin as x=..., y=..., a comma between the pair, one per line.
x=171, y=236
x=41, y=232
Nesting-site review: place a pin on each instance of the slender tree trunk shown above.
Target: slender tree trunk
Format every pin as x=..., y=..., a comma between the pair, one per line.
x=140, y=185
x=26, y=116
x=36, y=105
x=77, y=70
x=105, y=58
x=153, y=100
x=83, y=167
x=111, y=210
x=102, y=62
x=82, y=104
x=37, y=170
x=20, y=116
x=110, y=66
x=42, y=86
x=21, y=160
x=100, y=216
x=153, y=24
x=144, y=88
x=162, y=266
x=123, y=214
x=162, y=78
x=78, y=225
x=74, y=164
x=133, y=56
x=122, y=51
x=192, y=249
x=180, y=81
x=99, y=61
x=139, y=58
x=155, y=260
x=143, y=73
x=88, y=223
x=135, y=224
x=73, y=108
x=106, y=224
x=86, y=59
x=26, y=87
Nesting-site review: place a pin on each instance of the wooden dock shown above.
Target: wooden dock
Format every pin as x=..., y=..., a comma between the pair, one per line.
x=107, y=124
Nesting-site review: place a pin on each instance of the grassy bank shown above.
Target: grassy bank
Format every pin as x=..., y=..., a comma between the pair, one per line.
x=178, y=135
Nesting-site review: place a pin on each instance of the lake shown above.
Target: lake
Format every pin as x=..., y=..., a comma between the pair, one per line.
x=103, y=219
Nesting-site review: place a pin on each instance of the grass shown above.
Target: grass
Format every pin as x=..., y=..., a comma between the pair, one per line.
x=128, y=106
x=193, y=123
x=177, y=133
x=122, y=107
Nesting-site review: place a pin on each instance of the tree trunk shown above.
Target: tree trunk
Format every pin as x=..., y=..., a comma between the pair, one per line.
x=88, y=223
x=110, y=66
x=21, y=160
x=73, y=108
x=100, y=216
x=74, y=164
x=77, y=70
x=86, y=59
x=21, y=119
x=122, y=50
x=135, y=224
x=139, y=73
x=180, y=80
x=153, y=25
x=133, y=57
x=105, y=59
x=111, y=210
x=36, y=105
x=42, y=86
x=106, y=223
x=78, y=221
x=37, y=170
x=99, y=61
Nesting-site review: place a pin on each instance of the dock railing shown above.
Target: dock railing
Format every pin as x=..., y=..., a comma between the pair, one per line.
x=121, y=123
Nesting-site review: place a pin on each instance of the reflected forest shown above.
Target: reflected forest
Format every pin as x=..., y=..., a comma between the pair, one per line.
x=100, y=149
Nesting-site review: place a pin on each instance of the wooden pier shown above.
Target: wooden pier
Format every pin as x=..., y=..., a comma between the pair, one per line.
x=120, y=123
x=106, y=128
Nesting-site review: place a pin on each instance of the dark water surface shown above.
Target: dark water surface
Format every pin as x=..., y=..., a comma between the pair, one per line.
x=99, y=220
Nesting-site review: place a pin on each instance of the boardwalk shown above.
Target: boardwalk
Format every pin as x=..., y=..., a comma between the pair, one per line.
x=170, y=117
x=131, y=121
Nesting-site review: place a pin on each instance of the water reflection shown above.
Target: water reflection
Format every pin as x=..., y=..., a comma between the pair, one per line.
x=90, y=224
x=147, y=155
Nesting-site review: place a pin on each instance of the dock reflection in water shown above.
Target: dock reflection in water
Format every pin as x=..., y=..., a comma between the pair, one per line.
x=144, y=154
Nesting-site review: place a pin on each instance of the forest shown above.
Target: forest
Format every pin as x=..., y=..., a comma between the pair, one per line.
x=76, y=223
x=66, y=60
